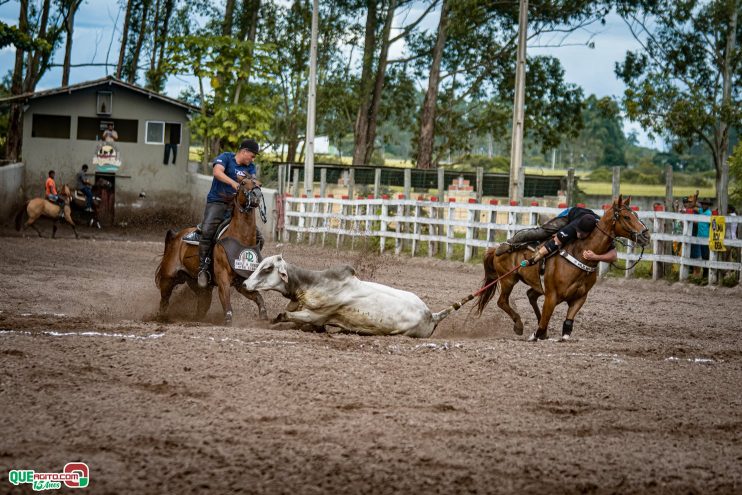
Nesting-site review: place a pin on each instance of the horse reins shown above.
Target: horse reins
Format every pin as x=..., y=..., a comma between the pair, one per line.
x=616, y=218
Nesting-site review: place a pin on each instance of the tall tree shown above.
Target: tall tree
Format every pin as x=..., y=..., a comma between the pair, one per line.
x=70, y=9
x=427, y=121
x=685, y=80
x=124, y=38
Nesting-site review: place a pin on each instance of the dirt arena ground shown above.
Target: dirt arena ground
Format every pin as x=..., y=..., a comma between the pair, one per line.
x=646, y=399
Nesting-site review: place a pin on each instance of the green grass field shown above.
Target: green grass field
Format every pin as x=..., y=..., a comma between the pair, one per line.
x=605, y=188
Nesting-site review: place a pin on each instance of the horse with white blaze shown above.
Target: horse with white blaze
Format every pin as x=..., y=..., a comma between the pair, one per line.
x=337, y=297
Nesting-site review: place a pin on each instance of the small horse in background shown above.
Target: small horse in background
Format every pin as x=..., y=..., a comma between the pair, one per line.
x=38, y=207
x=79, y=202
x=563, y=281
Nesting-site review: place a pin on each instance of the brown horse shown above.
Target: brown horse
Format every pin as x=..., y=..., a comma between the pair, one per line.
x=180, y=261
x=563, y=281
x=79, y=202
x=39, y=207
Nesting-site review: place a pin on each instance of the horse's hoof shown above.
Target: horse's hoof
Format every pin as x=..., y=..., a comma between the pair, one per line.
x=537, y=335
x=518, y=329
x=280, y=318
x=565, y=338
x=228, y=319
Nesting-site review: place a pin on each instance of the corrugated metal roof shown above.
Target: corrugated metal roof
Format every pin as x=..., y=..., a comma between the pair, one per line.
x=108, y=80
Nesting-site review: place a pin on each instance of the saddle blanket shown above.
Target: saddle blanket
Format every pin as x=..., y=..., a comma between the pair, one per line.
x=243, y=259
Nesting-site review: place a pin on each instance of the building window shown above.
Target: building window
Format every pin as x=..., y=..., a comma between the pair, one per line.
x=172, y=133
x=104, y=103
x=51, y=126
x=91, y=129
x=155, y=133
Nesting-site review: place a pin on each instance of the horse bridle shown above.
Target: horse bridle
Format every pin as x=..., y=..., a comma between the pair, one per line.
x=251, y=195
x=634, y=234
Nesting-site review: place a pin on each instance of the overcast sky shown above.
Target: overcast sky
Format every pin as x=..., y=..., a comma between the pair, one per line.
x=95, y=40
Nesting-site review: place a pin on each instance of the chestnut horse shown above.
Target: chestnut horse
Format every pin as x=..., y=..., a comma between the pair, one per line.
x=180, y=262
x=38, y=207
x=563, y=281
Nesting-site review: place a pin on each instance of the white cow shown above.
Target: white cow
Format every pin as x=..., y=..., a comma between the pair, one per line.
x=337, y=297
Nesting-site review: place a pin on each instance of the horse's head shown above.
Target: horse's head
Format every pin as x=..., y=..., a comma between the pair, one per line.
x=66, y=193
x=249, y=196
x=626, y=223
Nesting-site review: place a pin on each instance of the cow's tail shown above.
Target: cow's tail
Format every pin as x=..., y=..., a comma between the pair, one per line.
x=19, y=217
x=169, y=246
x=490, y=275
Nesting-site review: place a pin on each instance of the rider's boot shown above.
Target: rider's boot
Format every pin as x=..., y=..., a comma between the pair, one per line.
x=204, y=274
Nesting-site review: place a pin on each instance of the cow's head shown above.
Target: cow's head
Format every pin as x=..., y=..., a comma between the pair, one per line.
x=271, y=274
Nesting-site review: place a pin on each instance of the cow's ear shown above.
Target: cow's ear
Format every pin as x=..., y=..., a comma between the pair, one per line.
x=283, y=273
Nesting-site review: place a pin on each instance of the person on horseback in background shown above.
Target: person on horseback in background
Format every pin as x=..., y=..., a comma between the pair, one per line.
x=229, y=170
x=573, y=223
x=50, y=193
x=83, y=185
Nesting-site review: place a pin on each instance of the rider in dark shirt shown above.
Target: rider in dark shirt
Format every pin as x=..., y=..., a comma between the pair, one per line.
x=229, y=170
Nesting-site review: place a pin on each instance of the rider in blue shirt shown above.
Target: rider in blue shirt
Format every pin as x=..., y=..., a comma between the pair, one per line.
x=229, y=170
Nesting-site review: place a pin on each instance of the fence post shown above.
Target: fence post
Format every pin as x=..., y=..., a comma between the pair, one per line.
x=685, y=253
x=302, y=222
x=286, y=235
x=351, y=182
x=281, y=180
x=432, y=228
x=384, y=223
x=657, y=267
x=415, y=228
x=449, y=228
x=295, y=187
x=398, y=229
x=616, y=182
x=406, y=209
x=480, y=184
x=322, y=182
x=570, y=186
x=469, y=233
x=713, y=274
x=377, y=183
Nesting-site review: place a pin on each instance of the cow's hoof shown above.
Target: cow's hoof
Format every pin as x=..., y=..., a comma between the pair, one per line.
x=280, y=318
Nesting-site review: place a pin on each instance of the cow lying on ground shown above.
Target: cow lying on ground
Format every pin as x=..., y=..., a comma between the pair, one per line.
x=337, y=297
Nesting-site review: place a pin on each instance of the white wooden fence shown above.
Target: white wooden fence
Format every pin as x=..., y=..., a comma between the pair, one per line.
x=438, y=227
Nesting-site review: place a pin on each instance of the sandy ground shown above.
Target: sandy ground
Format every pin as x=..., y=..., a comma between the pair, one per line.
x=646, y=399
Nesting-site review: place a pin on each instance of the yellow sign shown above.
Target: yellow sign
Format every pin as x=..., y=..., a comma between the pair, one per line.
x=716, y=239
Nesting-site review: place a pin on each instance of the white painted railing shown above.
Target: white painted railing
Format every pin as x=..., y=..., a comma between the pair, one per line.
x=438, y=226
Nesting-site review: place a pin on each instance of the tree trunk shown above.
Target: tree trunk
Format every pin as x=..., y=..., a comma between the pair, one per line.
x=364, y=100
x=427, y=122
x=722, y=165
x=249, y=18
x=140, y=41
x=69, y=27
x=124, y=39
x=159, y=81
x=378, y=84
x=15, y=119
x=228, y=15
x=155, y=39
x=34, y=56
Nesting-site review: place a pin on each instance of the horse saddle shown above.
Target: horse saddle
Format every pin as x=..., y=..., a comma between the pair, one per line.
x=244, y=260
x=194, y=237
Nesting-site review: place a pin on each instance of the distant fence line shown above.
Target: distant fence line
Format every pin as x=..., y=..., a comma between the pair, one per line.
x=291, y=175
x=433, y=227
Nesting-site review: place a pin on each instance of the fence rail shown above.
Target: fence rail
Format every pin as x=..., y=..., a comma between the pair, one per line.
x=439, y=227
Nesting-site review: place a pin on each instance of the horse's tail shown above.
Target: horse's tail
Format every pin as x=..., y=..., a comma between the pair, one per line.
x=19, y=216
x=490, y=274
x=169, y=245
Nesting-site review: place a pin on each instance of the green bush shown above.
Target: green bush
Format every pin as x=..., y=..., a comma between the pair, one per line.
x=494, y=164
x=601, y=174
